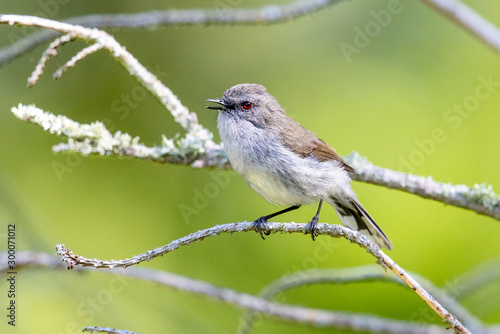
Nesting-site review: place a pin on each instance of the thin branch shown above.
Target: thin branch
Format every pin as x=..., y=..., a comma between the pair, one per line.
x=419, y=290
x=311, y=316
x=480, y=198
x=96, y=329
x=95, y=139
x=49, y=52
x=79, y=56
x=336, y=231
x=172, y=17
x=354, y=275
x=181, y=114
x=469, y=20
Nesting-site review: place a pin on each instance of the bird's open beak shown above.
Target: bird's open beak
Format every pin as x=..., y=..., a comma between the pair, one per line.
x=222, y=107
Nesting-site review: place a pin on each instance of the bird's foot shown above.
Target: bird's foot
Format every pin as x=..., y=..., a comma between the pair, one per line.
x=311, y=227
x=260, y=226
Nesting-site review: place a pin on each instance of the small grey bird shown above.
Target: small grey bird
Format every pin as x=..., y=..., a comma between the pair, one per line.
x=285, y=163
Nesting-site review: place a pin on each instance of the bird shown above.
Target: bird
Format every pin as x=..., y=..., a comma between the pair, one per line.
x=285, y=163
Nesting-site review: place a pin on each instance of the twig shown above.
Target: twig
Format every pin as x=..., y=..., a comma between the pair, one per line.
x=469, y=20
x=430, y=300
x=353, y=275
x=181, y=114
x=154, y=19
x=336, y=231
x=311, y=316
x=483, y=274
x=79, y=56
x=49, y=52
x=96, y=329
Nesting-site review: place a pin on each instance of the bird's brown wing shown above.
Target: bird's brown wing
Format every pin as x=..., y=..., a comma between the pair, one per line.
x=305, y=143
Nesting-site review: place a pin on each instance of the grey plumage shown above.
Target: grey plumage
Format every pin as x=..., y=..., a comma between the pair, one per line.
x=284, y=162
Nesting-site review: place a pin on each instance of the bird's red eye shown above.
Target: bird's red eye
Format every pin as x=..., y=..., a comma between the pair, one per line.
x=247, y=105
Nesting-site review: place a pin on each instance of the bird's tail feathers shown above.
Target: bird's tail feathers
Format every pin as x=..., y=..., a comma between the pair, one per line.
x=355, y=217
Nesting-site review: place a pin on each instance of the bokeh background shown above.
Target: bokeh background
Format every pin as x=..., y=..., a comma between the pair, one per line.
x=385, y=101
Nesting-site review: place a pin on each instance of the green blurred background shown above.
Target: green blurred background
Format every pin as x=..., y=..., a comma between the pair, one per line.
x=384, y=101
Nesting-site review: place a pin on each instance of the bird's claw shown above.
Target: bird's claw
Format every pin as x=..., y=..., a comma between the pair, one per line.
x=311, y=227
x=260, y=226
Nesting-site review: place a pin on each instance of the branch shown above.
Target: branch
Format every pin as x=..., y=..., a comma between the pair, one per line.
x=469, y=20
x=95, y=139
x=197, y=141
x=181, y=114
x=480, y=198
x=172, y=17
x=354, y=275
x=336, y=231
x=419, y=290
x=311, y=316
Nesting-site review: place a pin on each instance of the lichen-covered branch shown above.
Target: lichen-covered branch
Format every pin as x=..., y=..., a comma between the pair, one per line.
x=181, y=114
x=336, y=231
x=426, y=296
x=95, y=139
x=310, y=316
x=480, y=198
